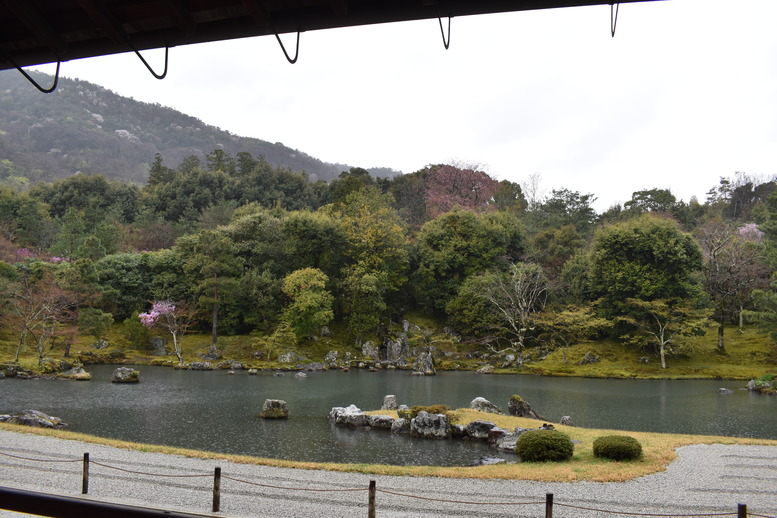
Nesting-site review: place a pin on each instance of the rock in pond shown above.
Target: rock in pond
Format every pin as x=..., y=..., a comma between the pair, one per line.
x=481, y=404
x=389, y=402
x=274, y=409
x=478, y=430
x=400, y=425
x=430, y=426
x=301, y=375
x=380, y=422
x=517, y=407
x=200, y=366
x=76, y=373
x=125, y=375
x=33, y=418
x=566, y=421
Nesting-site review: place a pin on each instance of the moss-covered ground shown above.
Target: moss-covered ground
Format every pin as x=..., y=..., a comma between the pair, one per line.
x=748, y=354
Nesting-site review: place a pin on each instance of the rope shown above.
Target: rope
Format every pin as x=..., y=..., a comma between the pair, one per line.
x=37, y=460
x=147, y=474
x=640, y=514
x=760, y=515
x=455, y=501
x=291, y=488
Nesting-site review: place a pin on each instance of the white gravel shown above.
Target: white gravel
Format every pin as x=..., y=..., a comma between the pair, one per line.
x=704, y=479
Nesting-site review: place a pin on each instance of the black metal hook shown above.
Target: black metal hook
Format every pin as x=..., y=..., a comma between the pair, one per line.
x=283, y=48
x=444, y=42
x=158, y=76
x=614, y=8
x=31, y=80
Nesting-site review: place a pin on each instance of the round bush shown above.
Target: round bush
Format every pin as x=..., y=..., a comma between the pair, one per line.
x=544, y=445
x=617, y=447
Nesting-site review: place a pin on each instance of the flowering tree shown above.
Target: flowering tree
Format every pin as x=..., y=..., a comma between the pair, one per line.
x=165, y=315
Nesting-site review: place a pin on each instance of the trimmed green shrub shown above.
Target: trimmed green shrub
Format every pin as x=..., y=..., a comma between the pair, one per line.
x=544, y=445
x=617, y=447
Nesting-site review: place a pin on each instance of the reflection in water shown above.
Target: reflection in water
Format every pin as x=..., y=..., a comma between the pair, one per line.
x=219, y=412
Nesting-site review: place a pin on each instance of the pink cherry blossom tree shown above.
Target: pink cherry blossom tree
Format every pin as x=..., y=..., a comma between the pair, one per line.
x=174, y=319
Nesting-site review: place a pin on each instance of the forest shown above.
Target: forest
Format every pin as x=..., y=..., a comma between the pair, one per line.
x=233, y=246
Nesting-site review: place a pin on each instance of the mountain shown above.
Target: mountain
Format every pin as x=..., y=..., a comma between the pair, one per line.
x=87, y=128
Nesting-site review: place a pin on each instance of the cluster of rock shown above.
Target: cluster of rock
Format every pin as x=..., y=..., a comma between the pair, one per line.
x=14, y=370
x=50, y=369
x=33, y=418
x=435, y=426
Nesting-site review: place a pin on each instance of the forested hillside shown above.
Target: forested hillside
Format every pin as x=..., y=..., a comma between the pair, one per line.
x=85, y=128
x=231, y=244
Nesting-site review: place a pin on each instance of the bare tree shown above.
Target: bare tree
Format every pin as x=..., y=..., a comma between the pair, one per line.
x=44, y=311
x=733, y=268
x=515, y=297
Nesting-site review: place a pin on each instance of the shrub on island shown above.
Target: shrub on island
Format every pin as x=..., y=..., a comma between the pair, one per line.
x=617, y=447
x=544, y=446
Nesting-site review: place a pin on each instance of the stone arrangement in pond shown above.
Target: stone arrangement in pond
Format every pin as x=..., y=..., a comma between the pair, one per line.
x=434, y=425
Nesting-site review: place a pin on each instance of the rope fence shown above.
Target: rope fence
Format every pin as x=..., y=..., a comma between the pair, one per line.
x=371, y=490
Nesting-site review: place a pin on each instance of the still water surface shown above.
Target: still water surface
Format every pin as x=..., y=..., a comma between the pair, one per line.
x=215, y=411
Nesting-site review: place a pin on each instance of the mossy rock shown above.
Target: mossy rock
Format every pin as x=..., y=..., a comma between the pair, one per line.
x=544, y=446
x=274, y=409
x=617, y=447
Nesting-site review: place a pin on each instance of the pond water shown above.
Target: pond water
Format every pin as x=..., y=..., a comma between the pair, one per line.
x=215, y=411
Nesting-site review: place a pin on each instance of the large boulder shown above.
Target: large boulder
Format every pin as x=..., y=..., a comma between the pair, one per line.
x=430, y=426
x=381, y=422
x=400, y=425
x=338, y=414
x=479, y=429
x=370, y=350
x=424, y=364
x=33, y=418
x=200, y=366
x=274, y=409
x=389, y=402
x=517, y=407
x=125, y=375
x=330, y=360
x=481, y=404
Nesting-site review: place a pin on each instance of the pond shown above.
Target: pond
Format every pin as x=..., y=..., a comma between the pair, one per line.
x=215, y=411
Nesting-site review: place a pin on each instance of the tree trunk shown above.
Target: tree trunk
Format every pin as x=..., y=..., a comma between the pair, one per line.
x=215, y=331
x=662, y=354
x=22, y=343
x=721, y=340
x=177, y=348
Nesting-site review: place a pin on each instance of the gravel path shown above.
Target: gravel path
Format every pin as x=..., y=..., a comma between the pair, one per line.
x=705, y=479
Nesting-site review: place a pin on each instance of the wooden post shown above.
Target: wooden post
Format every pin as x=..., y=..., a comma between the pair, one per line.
x=548, y=505
x=741, y=511
x=85, y=479
x=217, y=490
x=371, y=500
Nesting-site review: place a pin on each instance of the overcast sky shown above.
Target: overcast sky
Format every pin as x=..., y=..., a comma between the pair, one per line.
x=685, y=93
